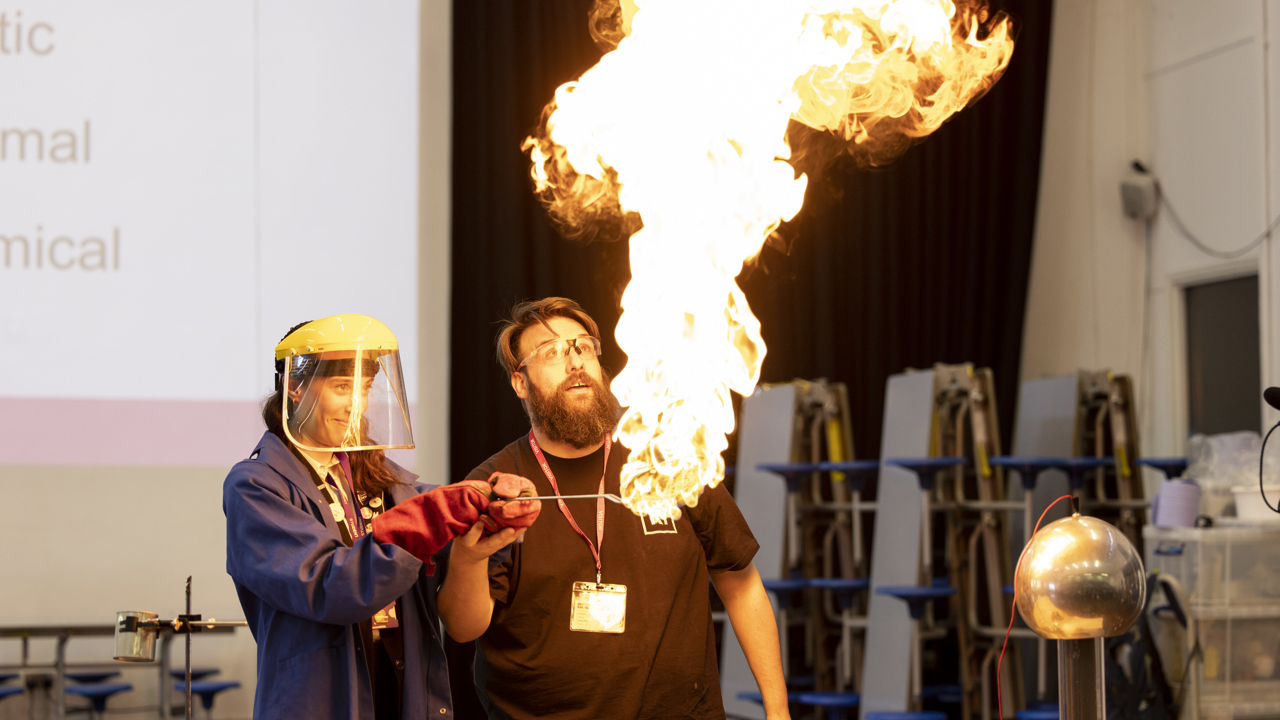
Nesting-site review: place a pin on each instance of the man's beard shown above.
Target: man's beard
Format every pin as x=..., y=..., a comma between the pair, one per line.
x=579, y=425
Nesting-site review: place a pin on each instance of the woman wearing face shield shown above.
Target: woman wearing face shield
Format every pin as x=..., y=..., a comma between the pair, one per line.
x=330, y=543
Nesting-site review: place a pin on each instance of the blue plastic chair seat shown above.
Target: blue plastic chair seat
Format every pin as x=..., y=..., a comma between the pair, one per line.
x=7, y=690
x=785, y=589
x=1029, y=468
x=793, y=473
x=801, y=681
x=1171, y=467
x=854, y=471
x=907, y=715
x=1078, y=466
x=6, y=677
x=92, y=676
x=926, y=468
x=835, y=702
x=196, y=673
x=207, y=689
x=757, y=698
x=98, y=693
x=829, y=699
x=1038, y=714
x=916, y=596
x=943, y=693
x=842, y=588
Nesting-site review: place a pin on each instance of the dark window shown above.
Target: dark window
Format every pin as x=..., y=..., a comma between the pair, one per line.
x=1224, y=373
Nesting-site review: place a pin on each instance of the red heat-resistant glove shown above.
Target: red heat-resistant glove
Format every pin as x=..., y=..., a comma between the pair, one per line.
x=507, y=510
x=425, y=523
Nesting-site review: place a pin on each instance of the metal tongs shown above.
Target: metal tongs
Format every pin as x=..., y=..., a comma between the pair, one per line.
x=607, y=496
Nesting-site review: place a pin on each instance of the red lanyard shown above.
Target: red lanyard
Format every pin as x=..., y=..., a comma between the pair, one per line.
x=546, y=470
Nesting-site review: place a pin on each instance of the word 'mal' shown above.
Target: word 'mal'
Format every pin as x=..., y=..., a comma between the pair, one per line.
x=61, y=252
x=67, y=145
x=34, y=39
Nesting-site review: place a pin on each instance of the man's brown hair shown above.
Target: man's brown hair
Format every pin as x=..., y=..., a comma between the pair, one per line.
x=537, y=312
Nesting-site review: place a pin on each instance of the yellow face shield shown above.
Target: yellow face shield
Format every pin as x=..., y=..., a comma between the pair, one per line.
x=343, y=387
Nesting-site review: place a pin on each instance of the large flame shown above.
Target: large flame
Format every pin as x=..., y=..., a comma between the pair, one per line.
x=681, y=132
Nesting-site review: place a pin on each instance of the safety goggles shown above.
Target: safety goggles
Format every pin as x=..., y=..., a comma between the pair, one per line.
x=557, y=351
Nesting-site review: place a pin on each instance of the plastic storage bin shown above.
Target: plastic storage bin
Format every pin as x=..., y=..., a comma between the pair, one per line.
x=1231, y=579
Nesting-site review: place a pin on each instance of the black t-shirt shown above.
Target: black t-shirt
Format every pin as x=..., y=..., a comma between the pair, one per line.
x=531, y=664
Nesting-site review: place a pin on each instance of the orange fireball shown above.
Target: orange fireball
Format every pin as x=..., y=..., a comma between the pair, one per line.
x=680, y=133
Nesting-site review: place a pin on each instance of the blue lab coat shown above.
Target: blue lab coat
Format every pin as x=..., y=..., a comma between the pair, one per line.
x=304, y=592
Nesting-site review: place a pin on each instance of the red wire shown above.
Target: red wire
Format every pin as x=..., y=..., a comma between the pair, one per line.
x=1013, y=612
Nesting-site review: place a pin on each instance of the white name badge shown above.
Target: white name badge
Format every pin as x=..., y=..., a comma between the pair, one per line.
x=598, y=608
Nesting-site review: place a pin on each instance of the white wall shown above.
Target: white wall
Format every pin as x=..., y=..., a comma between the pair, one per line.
x=83, y=542
x=1189, y=88
x=435, y=109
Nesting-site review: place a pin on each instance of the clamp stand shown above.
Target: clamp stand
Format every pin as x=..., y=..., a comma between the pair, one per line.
x=136, y=640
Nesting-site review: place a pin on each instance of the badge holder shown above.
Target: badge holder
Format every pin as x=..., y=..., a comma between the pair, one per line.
x=598, y=608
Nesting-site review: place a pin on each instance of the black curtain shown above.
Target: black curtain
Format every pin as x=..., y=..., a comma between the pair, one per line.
x=923, y=261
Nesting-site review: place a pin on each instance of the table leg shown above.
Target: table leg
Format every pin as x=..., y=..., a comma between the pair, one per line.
x=916, y=661
x=846, y=640
x=1028, y=517
x=60, y=678
x=1042, y=660
x=856, y=523
x=926, y=538
x=793, y=532
x=165, y=663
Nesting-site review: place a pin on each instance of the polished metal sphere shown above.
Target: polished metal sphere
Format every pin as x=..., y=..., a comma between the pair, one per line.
x=1080, y=577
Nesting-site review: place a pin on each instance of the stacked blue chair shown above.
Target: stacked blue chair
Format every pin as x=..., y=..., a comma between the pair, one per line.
x=834, y=704
x=907, y=715
x=207, y=690
x=92, y=676
x=98, y=694
x=9, y=690
x=853, y=472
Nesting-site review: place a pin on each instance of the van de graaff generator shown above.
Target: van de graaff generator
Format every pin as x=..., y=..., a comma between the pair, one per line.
x=1080, y=580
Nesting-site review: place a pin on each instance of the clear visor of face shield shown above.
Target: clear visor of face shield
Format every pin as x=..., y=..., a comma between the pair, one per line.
x=346, y=400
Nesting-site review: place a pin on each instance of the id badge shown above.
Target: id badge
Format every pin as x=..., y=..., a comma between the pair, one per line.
x=598, y=608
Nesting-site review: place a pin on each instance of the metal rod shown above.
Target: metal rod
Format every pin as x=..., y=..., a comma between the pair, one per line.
x=1081, y=692
x=607, y=496
x=176, y=624
x=60, y=677
x=188, y=650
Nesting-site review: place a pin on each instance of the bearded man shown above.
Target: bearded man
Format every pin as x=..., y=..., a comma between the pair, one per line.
x=599, y=613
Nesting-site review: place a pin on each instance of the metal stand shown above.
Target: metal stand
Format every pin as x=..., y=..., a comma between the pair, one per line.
x=135, y=642
x=1081, y=690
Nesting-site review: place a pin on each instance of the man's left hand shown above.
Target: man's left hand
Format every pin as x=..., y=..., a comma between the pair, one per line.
x=507, y=509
